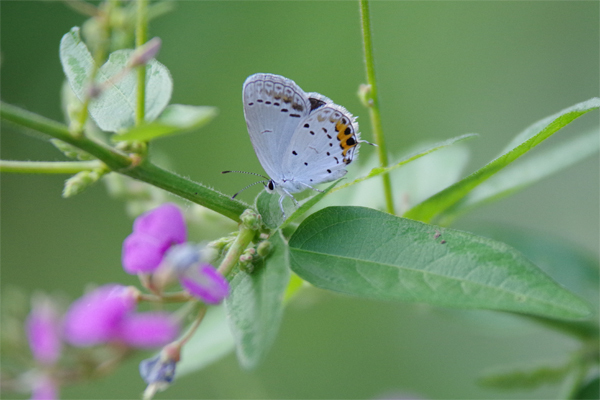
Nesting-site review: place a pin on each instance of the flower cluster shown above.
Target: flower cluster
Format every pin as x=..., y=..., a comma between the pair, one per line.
x=158, y=251
x=158, y=247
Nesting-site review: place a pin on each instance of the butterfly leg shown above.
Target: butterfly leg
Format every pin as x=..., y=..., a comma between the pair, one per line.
x=310, y=187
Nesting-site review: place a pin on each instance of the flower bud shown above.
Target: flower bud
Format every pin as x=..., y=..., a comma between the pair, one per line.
x=264, y=248
x=251, y=219
x=158, y=372
x=81, y=181
x=364, y=95
x=145, y=53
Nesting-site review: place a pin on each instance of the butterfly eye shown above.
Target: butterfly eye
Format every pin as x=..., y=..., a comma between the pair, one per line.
x=271, y=185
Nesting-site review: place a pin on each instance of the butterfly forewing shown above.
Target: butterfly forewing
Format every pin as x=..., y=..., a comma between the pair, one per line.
x=274, y=106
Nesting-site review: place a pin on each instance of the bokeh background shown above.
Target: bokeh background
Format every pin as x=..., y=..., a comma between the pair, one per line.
x=444, y=68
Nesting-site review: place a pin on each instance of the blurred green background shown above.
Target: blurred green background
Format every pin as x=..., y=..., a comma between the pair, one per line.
x=444, y=68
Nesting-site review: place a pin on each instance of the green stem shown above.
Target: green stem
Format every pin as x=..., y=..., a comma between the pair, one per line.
x=242, y=241
x=48, y=167
x=123, y=164
x=141, y=37
x=374, y=110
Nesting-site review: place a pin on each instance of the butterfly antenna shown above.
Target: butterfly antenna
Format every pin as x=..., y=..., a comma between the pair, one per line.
x=245, y=172
x=252, y=184
x=364, y=141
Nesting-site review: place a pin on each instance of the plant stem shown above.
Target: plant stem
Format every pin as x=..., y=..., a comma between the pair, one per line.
x=48, y=167
x=242, y=241
x=374, y=110
x=141, y=36
x=190, y=332
x=123, y=164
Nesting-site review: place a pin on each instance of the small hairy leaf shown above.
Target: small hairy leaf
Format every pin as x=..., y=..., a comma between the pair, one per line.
x=114, y=108
x=255, y=305
x=524, y=142
x=175, y=119
x=364, y=252
x=211, y=342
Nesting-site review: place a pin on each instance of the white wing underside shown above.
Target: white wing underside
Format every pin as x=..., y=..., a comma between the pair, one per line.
x=300, y=139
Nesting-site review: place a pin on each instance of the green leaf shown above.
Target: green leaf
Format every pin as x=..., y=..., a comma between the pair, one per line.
x=175, y=119
x=255, y=305
x=527, y=140
x=114, y=109
x=524, y=378
x=572, y=266
x=589, y=391
x=364, y=252
x=380, y=170
x=523, y=174
x=211, y=342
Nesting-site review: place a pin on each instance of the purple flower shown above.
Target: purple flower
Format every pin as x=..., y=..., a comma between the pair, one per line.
x=153, y=234
x=206, y=283
x=107, y=315
x=43, y=332
x=95, y=318
x=151, y=329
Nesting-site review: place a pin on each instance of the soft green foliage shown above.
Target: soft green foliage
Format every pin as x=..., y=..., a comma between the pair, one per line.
x=175, y=119
x=380, y=170
x=212, y=341
x=524, y=142
x=267, y=205
x=514, y=378
x=363, y=252
x=520, y=175
x=255, y=305
x=114, y=108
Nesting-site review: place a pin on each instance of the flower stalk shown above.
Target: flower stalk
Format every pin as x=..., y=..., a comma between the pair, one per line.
x=373, y=103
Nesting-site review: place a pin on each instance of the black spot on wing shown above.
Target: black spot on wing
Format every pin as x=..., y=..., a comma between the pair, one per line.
x=315, y=103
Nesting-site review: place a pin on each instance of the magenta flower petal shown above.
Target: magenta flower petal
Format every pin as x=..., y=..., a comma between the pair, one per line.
x=142, y=253
x=96, y=317
x=153, y=233
x=165, y=223
x=43, y=332
x=151, y=329
x=205, y=283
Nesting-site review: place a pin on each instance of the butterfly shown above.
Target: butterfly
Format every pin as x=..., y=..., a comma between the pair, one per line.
x=301, y=139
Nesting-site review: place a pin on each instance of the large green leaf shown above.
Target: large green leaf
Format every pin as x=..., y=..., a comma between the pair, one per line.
x=114, y=109
x=255, y=305
x=175, y=119
x=212, y=341
x=527, y=140
x=364, y=252
x=531, y=170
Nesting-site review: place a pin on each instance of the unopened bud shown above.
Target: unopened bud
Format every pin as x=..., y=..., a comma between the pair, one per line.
x=364, y=94
x=93, y=91
x=251, y=219
x=145, y=53
x=81, y=181
x=264, y=248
